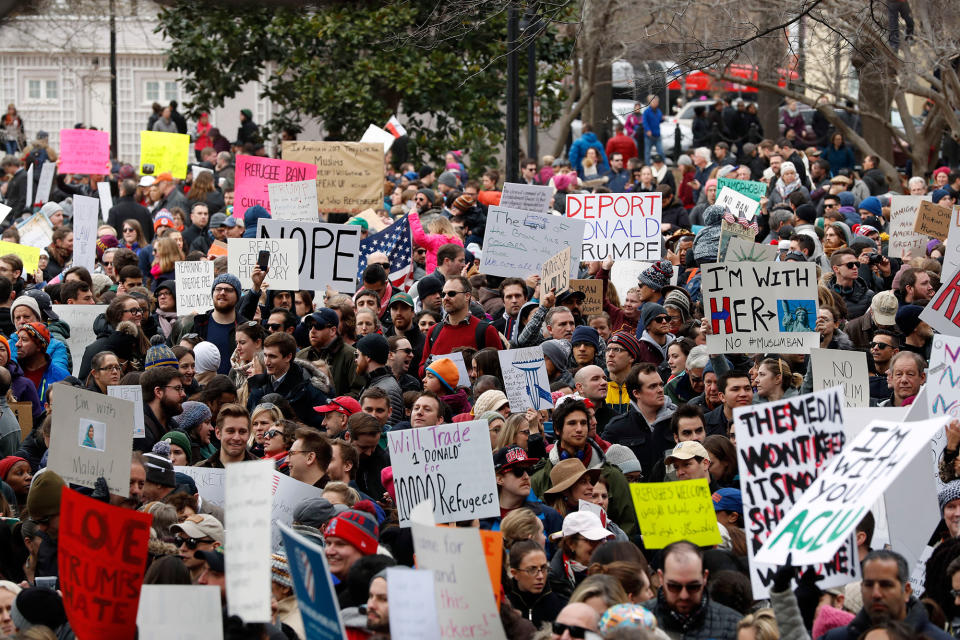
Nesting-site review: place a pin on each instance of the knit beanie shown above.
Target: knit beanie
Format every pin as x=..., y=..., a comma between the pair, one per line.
x=872, y=204
x=178, y=438
x=230, y=279
x=26, y=301
x=38, y=332
x=557, y=352
x=938, y=194
x=193, y=413
x=584, y=334
x=430, y=195
x=374, y=346
x=908, y=317
x=280, y=569
x=657, y=276
x=43, y=500
x=207, y=357
x=7, y=463
x=160, y=355
x=159, y=469
x=38, y=606
x=357, y=528
x=950, y=492
x=316, y=512
x=446, y=371
x=649, y=311
x=678, y=300
x=628, y=341
x=707, y=242
x=830, y=618
x=463, y=203
x=490, y=416
x=108, y=241
x=490, y=400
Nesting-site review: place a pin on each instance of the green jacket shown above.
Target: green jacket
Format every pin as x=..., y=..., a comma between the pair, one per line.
x=620, y=509
x=342, y=360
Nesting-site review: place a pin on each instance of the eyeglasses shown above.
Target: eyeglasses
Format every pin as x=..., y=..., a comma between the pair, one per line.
x=518, y=472
x=293, y=451
x=534, y=571
x=190, y=542
x=224, y=290
x=880, y=345
x=271, y=433
x=575, y=631
x=178, y=388
x=615, y=350
x=452, y=294
x=137, y=311
x=678, y=587
x=112, y=367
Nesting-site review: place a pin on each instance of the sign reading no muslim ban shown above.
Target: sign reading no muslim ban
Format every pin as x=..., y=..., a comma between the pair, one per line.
x=832, y=367
x=622, y=226
x=780, y=446
x=517, y=243
x=448, y=465
x=755, y=307
x=328, y=252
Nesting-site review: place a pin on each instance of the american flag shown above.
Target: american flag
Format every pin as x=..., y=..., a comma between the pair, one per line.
x=395, y=242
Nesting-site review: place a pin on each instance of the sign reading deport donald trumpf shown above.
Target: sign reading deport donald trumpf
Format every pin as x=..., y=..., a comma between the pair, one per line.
x=622, y=226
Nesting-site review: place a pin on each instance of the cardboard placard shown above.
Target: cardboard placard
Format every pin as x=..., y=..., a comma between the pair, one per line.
x=329, y=253
x=254, y=175
x=593, y=290
x=86, y=217
x=555, y=273
x=101, y=556
x=294, y=200
x=84, y=151
x=749, y=188
x=740, y=249
x=845, y=368
x=211, y=483
x=167, y=152
x=283, y=273
x=313, y=587
x=740, y=205
x=247, y=557
x=951, y=260
x=903, y=239
x=943, y=311
x=525, y=379
x=448, y=465
x=761, y=307
x=192, y=604
x=526, y=197
x=673, y=511
x=413, y=606
x=349, y=174
x=933, y=220
x=622, y=226
x=24, y=413
x=287, y=494
x=80, y=317
x=134, y=394
x=194, y=286
x=514, y=246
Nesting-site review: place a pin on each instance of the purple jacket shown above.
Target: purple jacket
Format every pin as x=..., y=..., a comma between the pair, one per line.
x=23, y=388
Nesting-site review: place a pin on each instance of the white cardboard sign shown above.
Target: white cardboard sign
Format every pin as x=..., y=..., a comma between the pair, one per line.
x=194, y=286
x=283, y=274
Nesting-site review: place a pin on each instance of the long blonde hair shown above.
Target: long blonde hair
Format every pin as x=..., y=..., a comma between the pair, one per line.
x=508, y=435
x=167, y=254
x=439, y=224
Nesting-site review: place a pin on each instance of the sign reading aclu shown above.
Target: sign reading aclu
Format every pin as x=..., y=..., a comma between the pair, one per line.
x=328, y=252
x=623, y=226
x=755, y=307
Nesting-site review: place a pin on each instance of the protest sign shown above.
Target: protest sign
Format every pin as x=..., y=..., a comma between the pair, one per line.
x=758, y=307
x=47, y=173
x=210, y=483
x=951, y=259
x=448, y=465
x=622, y=226
x=91, y=436
x=672, y=511
x=255, y=174
x=525, y=379
x=217, y=249
x=513, y=243
x=328, y=252
x=731, y=230
x=738, y=219
x=532, y=198
x=464, y=595
x=943, y=311
x=132, y=393
x=625, y=273
x=106, y=198
x=29, y=198
x=904, y=241
x=294, y=200
x=4, y=210
x=749, y=188
x=287, y=494
x=179, y=611
x=457, y=359
x=842, y=367
x=84, y=151
x=85, y=219
x=380, y=136
x=374, y=220
x=194, y=286
x=313, y=587
x=741, y=206
x=35, y=232
x=555, y=273
x=593, y=290
x=29, y=255
x=283, y=274
x=247, y=553
x=742, y=249
x=349, y=174
x=780, y=446
x=413, y=606
x=827, y=513
x=167, y=152
x=196, y=170
x=932, y=220
x=918, y=577
x=80, y=318
x=101, y=556
x=492, y=542
x=943, y=377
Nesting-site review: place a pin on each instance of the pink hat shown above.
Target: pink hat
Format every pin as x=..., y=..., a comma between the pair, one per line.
x=830, y=618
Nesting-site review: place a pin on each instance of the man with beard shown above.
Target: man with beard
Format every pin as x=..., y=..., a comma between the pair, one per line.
x=401, y=313
x=573, y=300
x=378, y=608
x=163, y=397
x=218, y=325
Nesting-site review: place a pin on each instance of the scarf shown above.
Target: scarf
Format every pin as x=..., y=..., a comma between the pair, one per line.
x=786, y=189
x=166, y=318
x=570, y=569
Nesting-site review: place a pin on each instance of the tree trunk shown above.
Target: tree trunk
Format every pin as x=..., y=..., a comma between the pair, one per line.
x=602, y=111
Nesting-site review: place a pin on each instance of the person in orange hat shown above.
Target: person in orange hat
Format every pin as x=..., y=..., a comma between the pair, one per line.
x=170, y=194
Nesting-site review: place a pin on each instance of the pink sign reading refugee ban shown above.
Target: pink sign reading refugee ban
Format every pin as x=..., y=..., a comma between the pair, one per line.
x=84, y=151
x=254, y=173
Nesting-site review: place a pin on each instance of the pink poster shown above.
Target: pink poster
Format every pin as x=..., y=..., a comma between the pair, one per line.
x=254, y=173
x=84, y=151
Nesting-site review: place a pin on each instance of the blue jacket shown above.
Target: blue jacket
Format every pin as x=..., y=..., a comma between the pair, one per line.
x=57, y=351
x=651, y=121
x=578, y=151
x=54, y=373
x=841, y=158
x=617, y=182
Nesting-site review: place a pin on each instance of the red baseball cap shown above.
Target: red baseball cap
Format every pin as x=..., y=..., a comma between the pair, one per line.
x=341, y=404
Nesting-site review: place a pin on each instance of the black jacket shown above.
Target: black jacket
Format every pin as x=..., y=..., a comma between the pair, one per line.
x=536, y=607
x=916, y=619
x=715, y=422
x=16, y=197
x=126, y=208
x=383, y=378
x=710, y=620
x=632, y=431
x=297, y=387
x=368, y=472
x=153, y=430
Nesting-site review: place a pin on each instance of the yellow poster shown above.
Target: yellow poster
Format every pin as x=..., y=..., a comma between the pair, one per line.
x=29, y=255
x=166, y=152
x=673, y=511
x=349, y=174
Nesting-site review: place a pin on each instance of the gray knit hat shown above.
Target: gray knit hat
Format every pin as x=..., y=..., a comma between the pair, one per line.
x=192, y=415
x=230, y=279
x=657, y=276
x=707, y=243
x=949, y=493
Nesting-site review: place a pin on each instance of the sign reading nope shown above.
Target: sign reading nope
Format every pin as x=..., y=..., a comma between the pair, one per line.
x=622, y=226
x=328, y=252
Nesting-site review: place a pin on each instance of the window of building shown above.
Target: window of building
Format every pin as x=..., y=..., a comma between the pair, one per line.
x=162, y=91
x=42, y=89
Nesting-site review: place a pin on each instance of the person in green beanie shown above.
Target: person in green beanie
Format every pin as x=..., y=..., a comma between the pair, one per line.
x=180, y=447
x=43, y=505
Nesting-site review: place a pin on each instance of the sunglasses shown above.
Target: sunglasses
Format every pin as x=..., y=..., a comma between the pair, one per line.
x=662, y=319
x=274, y=326
x=271, y=433
x=850, y=265
x=575, y=631
x=407, y=351
x=451, y=294
x=880, y=345
x=517, y=472
x=678, y=587
x=190, y=542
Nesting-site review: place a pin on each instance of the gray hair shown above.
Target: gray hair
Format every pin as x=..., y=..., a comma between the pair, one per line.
x=703, y=152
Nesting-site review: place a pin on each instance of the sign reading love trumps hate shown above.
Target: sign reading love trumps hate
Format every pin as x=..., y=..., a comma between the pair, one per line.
x=448, y=465
x=624, y=226
x=781, y=446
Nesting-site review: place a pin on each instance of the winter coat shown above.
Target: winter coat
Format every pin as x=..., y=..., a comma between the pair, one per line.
x=429, y=241
x=383, y=378
x=789, y=618
x=710, y=621
x=24, y=390
x=578, y=151
x=841, y=158
x=858, y=297
x=536, y=607
x=300, y=386
x=916, y=619
x=57, y=351
x=342, y=360
x=648, y=442
x=676, y=215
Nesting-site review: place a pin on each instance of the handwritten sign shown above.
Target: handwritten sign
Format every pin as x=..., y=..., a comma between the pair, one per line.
x=555, y=273
x=287, y=494
x=749, y=188
x=247, y=557
x=242, y=260
x=525, y=379
x=328, y=252
x=210, y=482
x=413, y=606
x=526, y=197
x=101, y=556
x=672, y=511
x=254, y=175
x=80, y=318
x=194, y=286
x=29, y=255
x=294, y=200
x=313, y=587
x=618, y=225
x=943, y=311
x=132, y=393
x=91, y=437
x=449, y=465
x=47, y=173
x=827, y=513
x=167, y=152
x=741, y=249
x=192, y=604
x=593, y=290
x=740, y=205
x=457, y=359
x=84, y=151
x=349, y=174
x=513, y=242
x=761, y=307
x=932, y=220
x=951, y=260
x=106, y=198
x=848, y=369
x=903, y=239
x=86, y=216
x=781, y=446
x=36, y=233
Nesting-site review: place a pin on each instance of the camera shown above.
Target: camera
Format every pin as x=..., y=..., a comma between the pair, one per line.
x=875, y=258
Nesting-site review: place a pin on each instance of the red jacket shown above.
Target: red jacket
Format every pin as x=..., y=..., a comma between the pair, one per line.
x=461, y=335
x=622, y=144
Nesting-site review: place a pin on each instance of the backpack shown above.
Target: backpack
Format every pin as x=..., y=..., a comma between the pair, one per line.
x=36, y=158
x=478, y=337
